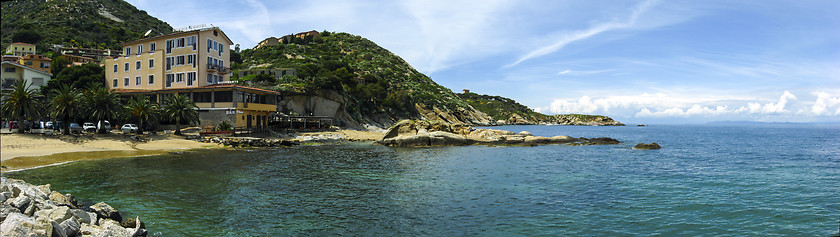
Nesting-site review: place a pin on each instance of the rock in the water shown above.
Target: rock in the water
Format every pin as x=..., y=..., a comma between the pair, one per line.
x=60, y=199
x=601, y=141
x=132, y=223
x=409, y=133
x=525, y=133
x=104, y=210
x=645, y=146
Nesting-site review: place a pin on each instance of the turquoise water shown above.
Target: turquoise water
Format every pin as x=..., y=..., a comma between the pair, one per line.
x=707, y=180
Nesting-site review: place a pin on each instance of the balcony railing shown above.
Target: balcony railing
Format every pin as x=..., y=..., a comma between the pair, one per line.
x=218, y=68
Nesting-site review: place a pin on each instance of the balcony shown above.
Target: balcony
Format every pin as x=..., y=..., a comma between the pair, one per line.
x=218, y=68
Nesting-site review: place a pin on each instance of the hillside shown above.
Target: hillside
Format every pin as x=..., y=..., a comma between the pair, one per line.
x=372, y=85
x=76, y=23
x=508, y=111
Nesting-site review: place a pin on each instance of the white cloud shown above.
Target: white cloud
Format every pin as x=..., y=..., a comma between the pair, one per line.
x=768, y=108
x=825, y=103
x=567, y=38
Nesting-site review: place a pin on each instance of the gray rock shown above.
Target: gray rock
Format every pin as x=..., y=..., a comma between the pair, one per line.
x=56, y=214
x=60, y=199
x=5, y=196
x=57, y=231
x=17, y=224
x=5, y=210
x=104, y=210
x=525, y=133
x=83, y=216
x=71, y=227
x=21, y=202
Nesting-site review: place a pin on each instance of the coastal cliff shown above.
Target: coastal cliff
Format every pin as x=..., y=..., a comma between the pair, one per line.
x=30, y=210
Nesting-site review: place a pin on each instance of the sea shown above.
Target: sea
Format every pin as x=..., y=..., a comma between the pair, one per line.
x=707, y=180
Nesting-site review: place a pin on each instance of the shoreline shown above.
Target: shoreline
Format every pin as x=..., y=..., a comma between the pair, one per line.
x=19, y=152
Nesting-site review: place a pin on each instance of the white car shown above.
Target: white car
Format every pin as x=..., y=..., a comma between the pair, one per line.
x=89, y=127
x=129, y=128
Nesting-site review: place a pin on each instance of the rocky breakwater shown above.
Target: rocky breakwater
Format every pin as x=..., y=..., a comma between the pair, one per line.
x=414, y=133
x=246, y=141
x=30, y=210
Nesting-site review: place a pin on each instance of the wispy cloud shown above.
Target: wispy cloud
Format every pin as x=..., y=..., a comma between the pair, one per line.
x=568, y=38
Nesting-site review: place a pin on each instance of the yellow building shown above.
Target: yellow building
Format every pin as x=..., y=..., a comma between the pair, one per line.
x=21, y=49
x=36, y=61
x=195, y=63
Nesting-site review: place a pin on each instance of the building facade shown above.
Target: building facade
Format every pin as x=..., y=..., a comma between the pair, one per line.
x=187, y=59
x=20, y=49
x=11, y=72
x=35, y=61
x=276, y=73
x=195, y=63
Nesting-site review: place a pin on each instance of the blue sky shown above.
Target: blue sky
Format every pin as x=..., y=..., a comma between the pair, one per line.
x=637, y=61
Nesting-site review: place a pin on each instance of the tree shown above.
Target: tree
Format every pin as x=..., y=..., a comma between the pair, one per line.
x=142, y=109
x=181, y=109
x=77, y=76
x=27, y=36
x=102, y=104
x=58, y=63
x=21, y=103
x=65, y=103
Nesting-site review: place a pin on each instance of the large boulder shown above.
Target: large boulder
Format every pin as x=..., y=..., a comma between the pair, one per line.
x=58, y=214
x=17, y=224
x=645, y=146
x=63, y=200
x=70, y=227
x=83, y=216
x=103, y=210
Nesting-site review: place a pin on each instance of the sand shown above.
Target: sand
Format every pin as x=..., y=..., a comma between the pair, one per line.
x=26, y=151
x=23, y=151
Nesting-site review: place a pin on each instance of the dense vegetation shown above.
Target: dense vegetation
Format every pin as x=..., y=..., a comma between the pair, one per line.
x=102, y=24
x=500, y=108
x=374, y=80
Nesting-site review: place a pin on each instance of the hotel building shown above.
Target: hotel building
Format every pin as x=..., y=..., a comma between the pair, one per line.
x=195, y=63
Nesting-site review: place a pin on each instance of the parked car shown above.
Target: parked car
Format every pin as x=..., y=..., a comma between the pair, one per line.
x=89, y=127
x=38, y=127
x=104, y=124
x=75, y=128
x=129, y=128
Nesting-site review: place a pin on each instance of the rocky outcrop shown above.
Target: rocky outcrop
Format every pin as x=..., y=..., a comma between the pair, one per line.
x=584, y=120
x=413, y=133
x=460, y=115
x=245, y=141
x=646, y=146
x=29, y=210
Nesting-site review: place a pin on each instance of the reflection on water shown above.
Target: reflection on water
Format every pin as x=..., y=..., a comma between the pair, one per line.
x=706, y=180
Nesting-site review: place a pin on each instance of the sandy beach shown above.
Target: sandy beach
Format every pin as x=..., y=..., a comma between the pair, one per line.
x=26, y=151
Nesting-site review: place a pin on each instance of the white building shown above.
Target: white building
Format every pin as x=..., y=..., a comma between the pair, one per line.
x=12, y=72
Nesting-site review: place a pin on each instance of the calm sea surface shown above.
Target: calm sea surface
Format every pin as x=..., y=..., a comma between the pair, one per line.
x=706, y=180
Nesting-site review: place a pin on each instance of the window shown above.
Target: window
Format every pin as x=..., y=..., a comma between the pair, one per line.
x=139, y=49
x=115, y=83
x=151, y=63
x=127, y=51
x=190, y=78
x=138, y=65
x=192, y=40
x=151, y=79
x=179, y=77
x=223, y=96
x=115, y=68
x=180, y=43
x=209, y=78
x=126, y=82
x=137, y=81
x=28, y=63
x=215, y=62
x=209, y=60
x=191, y=60
x=169, y=79
x=179, y=60
x=209, y=45
x=152, y=47
x=169, y=62
x=202, y=97
x=169, y=45
x=215, y=45
x=126, y=67
x=221, y=49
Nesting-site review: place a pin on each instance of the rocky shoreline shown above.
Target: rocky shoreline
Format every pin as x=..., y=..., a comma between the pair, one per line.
x=415, y=133
x=35, y=210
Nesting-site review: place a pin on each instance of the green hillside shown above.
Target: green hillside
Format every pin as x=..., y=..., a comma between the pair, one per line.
x=374, y=80
x=100, y=24
x=501, y=108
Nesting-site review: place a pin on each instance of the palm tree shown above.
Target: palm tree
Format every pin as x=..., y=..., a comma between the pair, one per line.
x=102, y=104
x=21, y=103
x=180, y=108
x=65, y=103
x=142, y=109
